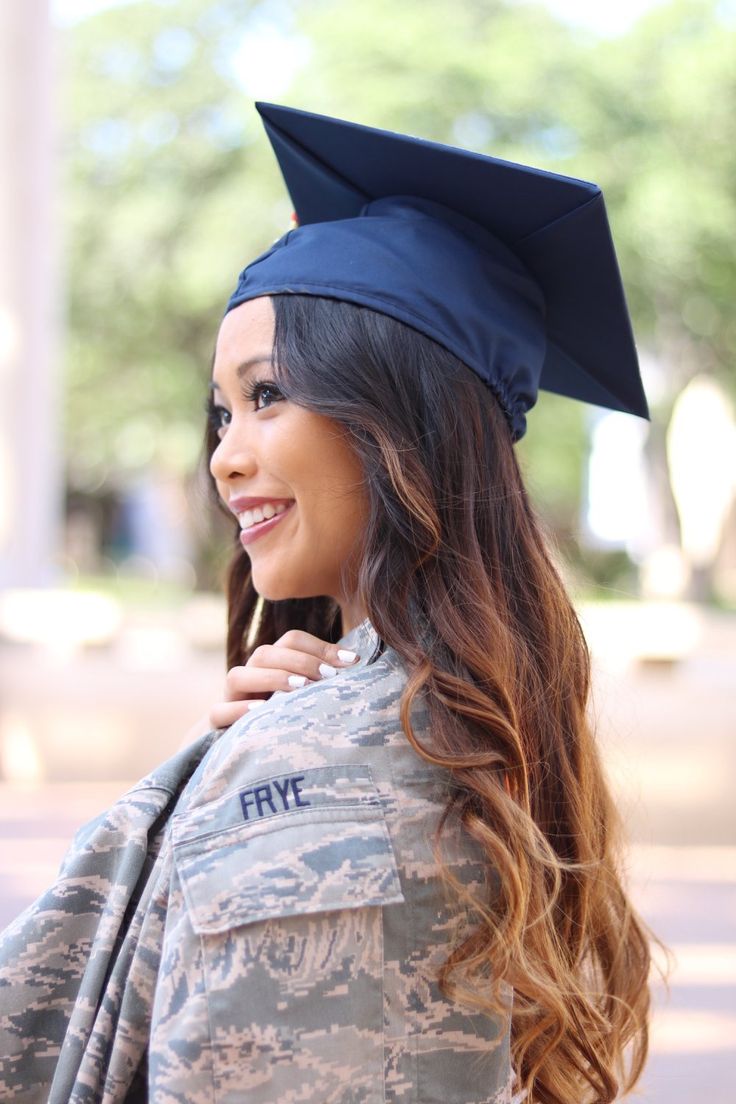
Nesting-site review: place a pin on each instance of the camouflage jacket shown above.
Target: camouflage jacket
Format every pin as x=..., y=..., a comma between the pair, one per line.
x=259, y=920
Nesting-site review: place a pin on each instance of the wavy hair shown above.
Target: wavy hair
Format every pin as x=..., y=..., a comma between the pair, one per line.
x=455, y=576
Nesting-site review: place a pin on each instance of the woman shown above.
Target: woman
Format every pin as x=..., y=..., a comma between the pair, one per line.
x=395, y=879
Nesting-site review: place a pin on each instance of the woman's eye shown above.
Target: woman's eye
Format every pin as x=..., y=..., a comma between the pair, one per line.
x=219, y=417
x=263, y=394
x=260, y=392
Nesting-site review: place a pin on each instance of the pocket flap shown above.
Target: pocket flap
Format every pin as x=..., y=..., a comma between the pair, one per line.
x=294, y=844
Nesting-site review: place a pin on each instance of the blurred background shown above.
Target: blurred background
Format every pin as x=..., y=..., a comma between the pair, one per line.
x=136, y=181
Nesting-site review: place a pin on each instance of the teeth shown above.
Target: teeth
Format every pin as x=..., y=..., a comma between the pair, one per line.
x=264, y=512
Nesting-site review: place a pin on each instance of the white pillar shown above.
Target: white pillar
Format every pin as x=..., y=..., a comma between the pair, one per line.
x=30, y=454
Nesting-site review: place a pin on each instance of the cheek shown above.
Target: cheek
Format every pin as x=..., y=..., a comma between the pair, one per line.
x=298, y=448
x=329, y=479
x=345, y=501
x=309, y=454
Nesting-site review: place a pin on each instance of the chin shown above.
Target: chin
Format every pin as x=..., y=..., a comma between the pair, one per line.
x=274, y=590
x=271, y=593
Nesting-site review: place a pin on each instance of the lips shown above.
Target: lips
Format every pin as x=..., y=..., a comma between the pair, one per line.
x=260, y=528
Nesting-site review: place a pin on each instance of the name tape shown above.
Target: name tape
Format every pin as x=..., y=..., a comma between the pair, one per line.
x=278, y=795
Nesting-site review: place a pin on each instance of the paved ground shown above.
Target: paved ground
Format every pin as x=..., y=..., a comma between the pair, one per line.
x=668, y=732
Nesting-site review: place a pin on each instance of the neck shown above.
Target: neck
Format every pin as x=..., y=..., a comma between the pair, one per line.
x=352, y=613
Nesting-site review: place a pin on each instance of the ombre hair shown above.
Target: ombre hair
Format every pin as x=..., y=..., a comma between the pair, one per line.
x=456, y=577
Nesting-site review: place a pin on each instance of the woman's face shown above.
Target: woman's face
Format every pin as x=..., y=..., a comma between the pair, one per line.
x=297, y=465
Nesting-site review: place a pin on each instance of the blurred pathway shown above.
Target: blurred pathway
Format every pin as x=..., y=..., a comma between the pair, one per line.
x=688, y=896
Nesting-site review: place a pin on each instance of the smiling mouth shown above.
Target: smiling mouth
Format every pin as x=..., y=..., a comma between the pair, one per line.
x=256, y=528
x=257, y=514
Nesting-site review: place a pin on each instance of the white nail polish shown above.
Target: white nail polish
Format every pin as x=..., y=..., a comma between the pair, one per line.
x=255, y=704
x=345, y=656
x=326, y=671
x=297, y=680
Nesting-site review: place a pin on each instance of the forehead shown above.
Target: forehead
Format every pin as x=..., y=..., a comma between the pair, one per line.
x=246, y=332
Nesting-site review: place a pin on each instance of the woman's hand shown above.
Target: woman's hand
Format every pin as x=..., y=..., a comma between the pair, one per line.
x=294, y=660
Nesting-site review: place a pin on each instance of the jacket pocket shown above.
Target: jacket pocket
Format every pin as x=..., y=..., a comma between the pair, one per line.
x=291, y=844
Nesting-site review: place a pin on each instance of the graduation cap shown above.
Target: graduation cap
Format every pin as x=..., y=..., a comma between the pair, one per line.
x=509, y=267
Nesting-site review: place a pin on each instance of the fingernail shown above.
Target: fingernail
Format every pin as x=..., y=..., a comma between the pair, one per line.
x=326, y=671
x=297, y=680
x=345, y=656
x=254, y=704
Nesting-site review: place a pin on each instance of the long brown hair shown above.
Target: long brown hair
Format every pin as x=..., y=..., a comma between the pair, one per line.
x=456, y=577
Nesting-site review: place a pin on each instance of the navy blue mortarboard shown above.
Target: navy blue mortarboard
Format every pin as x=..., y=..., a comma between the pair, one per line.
x=510, y=268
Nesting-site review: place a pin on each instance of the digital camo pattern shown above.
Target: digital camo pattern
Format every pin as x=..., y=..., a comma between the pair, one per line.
x=78, y=968
x=260, y=920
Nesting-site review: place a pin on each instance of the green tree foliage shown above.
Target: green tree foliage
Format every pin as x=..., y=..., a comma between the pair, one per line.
x=656, y=117
x=169, y=190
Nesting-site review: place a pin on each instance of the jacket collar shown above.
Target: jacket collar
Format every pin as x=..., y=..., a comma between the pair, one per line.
x=364, y=640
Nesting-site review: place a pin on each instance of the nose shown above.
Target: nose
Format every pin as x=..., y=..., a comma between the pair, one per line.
x=232, y=458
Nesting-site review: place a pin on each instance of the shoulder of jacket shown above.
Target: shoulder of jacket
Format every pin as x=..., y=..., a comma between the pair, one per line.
x=351, y=717
x=354, y=696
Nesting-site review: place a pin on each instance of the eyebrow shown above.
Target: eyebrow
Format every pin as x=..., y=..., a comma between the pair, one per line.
x=240, y=371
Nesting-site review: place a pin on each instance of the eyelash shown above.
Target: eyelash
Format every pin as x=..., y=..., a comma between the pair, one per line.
x=251, y=393
x=256, y=387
